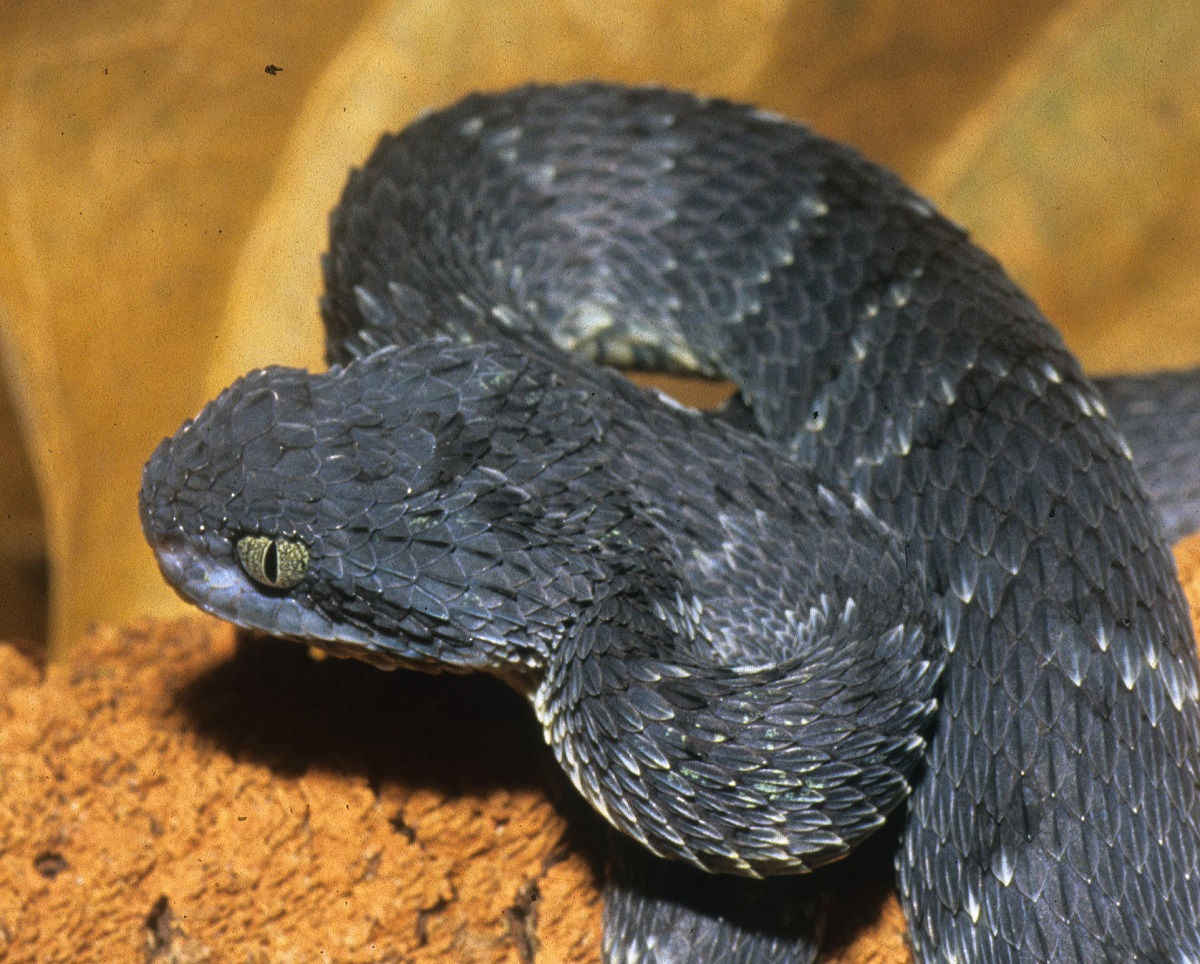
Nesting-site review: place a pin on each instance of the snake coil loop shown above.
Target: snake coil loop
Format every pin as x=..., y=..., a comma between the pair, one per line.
x=730, y=626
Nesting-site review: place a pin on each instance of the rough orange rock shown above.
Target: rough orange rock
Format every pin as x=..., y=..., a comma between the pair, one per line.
x=177, y=794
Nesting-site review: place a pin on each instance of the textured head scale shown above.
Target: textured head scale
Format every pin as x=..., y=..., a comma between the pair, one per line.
x=366, y=509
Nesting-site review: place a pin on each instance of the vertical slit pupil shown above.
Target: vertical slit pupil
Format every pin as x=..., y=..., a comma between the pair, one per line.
x=271, y=563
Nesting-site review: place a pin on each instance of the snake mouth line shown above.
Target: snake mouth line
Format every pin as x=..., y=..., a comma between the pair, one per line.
x=221, y=589
x=218, y=586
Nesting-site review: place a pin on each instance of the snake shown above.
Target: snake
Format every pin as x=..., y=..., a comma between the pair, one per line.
x=911, y=574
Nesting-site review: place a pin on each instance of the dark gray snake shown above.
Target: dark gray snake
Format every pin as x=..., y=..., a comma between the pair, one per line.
x=914, y=555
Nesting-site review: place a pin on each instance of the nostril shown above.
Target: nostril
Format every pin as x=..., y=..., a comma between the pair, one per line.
x=174, y=561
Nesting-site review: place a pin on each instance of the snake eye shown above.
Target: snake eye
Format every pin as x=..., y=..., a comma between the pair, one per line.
x=272, y=561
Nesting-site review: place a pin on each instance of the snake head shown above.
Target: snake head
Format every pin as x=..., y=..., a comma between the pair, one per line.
x=465, y=507
x=375, y=510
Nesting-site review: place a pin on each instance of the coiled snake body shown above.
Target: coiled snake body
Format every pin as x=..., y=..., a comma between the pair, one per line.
x=913, y=555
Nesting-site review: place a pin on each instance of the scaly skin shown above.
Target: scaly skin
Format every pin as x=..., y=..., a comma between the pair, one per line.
x=733, y=641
